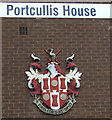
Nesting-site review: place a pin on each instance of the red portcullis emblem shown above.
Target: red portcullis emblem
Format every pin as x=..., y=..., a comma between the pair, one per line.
x=54, y=91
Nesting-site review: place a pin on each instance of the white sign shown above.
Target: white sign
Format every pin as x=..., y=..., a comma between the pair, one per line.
x=54, y=10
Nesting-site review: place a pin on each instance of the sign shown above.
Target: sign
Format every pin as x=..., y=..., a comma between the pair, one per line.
x=54, y=91
x=54, y=10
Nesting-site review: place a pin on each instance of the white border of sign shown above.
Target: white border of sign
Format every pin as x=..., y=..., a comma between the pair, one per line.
x=11, y=10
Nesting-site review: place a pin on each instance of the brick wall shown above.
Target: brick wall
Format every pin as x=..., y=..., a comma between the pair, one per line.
x=1, y=68
x=89, y=39
x=111, y=66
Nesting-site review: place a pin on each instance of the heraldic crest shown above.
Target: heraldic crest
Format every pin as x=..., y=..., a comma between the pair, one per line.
x=54, y=91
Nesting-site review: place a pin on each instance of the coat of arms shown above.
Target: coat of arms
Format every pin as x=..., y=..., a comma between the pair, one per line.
x=54, y=91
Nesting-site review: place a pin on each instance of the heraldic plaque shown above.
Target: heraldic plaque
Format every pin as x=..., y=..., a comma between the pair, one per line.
x=54, y=91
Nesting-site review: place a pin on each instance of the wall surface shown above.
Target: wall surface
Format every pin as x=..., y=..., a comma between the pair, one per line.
x=89, y=39
x=0, y=68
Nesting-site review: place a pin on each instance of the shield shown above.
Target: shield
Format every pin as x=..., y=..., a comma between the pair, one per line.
x=54, y=91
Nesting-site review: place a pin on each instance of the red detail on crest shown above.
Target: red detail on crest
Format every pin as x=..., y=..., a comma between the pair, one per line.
x=58, y=52
x=72, y=88
x=59, y=70
x=57, y=60
x=36, y=89
x=47, y=52
x=36, y=65
x=45, y=72
x=54, y=100
x=45, y=86
x=71, y=64
x=63, y=83
x=49, y=61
